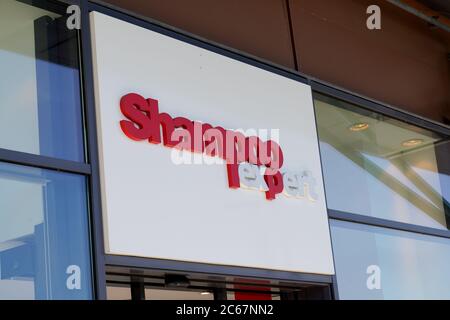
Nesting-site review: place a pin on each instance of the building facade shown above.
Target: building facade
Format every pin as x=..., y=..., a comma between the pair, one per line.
x=133, y=138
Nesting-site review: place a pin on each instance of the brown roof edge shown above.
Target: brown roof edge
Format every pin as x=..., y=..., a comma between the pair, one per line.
x=423, y=12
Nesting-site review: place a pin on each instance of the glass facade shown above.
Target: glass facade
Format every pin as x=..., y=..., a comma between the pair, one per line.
x=40, y=83
x=380, y=263
x=373, y=165
x=44, y=240
x=377, y=166
x=44, y=216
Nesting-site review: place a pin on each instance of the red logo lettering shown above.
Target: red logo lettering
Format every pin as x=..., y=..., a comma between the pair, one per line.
x=144, y=122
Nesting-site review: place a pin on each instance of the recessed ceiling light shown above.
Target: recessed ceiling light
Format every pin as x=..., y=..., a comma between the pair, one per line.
x=204, y=293
x=412, y=142
x=359, y=126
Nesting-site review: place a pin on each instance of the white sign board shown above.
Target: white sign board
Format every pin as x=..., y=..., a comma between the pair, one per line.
x=153, y=206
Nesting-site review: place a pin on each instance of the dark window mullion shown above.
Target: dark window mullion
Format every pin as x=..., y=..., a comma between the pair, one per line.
x=384, y=223
x=44, y=162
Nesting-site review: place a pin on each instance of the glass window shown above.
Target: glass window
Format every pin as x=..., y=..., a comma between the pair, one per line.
x=378, y=166
x=379, y=263
x=44, y=239
x=40, y=105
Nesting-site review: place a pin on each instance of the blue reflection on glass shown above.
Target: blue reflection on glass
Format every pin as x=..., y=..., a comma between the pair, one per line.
x=40, y=93
x=44, y=240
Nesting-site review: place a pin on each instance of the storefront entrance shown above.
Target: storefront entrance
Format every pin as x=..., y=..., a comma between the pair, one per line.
x=141, y=284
